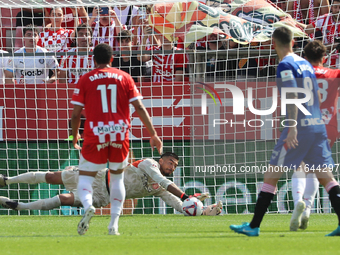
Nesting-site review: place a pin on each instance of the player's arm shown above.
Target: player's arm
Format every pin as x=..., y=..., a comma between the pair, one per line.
x=147, y=30
x=170, y=200
x=118, y=24
x=309, y=29
x=286, y=79
x=150, y=167
x=75, y=124
x=292, y=112
x=95, y=15
x=323, y=7
x=82, y=12
x=145, y=118
x=319, y=95
x=63, y=73
x=62, y=76
x=136, y=22
x=9, y=77
x=53, y=77
x=176, y=203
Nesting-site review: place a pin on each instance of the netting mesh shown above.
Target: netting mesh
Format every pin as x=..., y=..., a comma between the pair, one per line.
x=191, y=48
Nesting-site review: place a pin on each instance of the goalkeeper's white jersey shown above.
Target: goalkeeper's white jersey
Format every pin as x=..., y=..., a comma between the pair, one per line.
x=31, y=69
x=141, y=179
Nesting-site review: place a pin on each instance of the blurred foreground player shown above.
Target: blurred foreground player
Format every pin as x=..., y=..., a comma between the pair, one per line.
x=143, y=178
x=106, y=93
x=305, y=138
x=305, y=184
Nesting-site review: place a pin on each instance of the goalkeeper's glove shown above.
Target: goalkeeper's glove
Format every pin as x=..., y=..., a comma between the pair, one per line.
x=213, y=210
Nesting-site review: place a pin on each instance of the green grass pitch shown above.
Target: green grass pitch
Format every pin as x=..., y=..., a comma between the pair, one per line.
x=164, y=234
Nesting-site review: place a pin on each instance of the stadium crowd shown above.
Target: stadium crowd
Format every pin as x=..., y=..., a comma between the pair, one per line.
x=127, y=30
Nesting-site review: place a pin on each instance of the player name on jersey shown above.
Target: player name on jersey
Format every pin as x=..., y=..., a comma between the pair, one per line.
x=106, y=75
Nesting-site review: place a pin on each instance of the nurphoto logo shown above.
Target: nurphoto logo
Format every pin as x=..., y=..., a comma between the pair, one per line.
x=238, y=104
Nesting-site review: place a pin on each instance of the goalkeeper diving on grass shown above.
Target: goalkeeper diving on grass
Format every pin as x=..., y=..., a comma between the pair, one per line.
x=145, y=177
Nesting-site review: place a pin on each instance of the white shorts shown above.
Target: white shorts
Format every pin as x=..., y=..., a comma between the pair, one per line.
x=88, y=166
x=101, y=196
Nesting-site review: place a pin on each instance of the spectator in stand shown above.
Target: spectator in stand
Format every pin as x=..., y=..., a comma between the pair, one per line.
x=56, y=38
x=72, y=67
x=127, y=14
x=307, y=11
x=30, y=69
x=106, y=29
x=329, y=26
x=72, y=17
x=166, y=67
x=218, y=66
x=126, y=62
x=130, y=18
x=282, y=4
x=30, y=16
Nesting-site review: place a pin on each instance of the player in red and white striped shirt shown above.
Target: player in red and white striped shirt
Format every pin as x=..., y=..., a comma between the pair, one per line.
x=165, y=67
x=106, y=29
x=106, y=92
x=72, y=67
x=56, y=38
x=307, y=11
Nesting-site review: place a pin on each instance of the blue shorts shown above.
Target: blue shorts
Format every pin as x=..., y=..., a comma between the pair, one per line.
x=313, y=150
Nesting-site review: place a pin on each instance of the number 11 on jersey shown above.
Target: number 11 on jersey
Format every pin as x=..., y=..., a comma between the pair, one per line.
x=103, y=94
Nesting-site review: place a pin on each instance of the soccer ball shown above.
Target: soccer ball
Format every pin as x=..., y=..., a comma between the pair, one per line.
x=192, y=207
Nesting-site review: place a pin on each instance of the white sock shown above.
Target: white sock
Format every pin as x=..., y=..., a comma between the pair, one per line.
x=85, y=191
x=30, y=178
x=298, y=186
x=312, y=186
x=42, y=204
x=117, y=197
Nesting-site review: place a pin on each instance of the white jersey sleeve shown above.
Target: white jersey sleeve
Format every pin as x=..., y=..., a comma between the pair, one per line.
x=3, y=66
x=151, y=168
x=170, y=200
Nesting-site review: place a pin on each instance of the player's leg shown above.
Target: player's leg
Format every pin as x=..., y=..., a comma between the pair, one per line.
x=42, y=204
x=312, y=186
x=32, y=178
x=321, y=156
x=280, y=159
x=312, y=183
x=298, y=189
x=91, y=161
x=85, y=191
x=298, y=185
x=268, y=190
x=332, y=187
x=117, y=188
x=117, y=198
